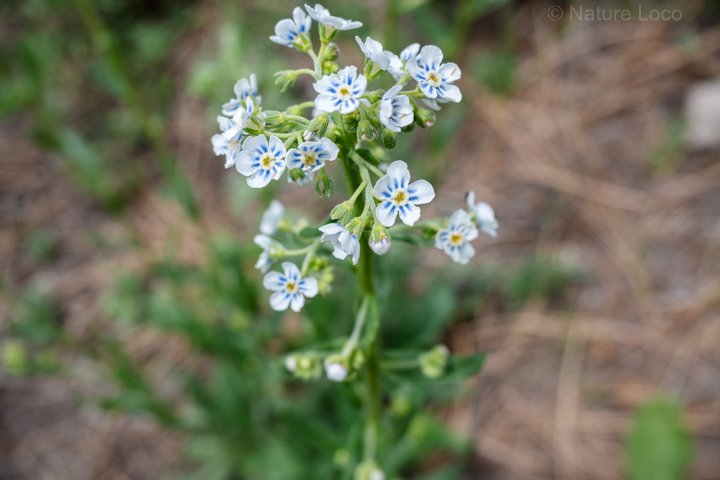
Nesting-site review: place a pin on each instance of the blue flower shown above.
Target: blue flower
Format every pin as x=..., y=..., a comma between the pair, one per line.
x=287, y=31
x=455, y=240
x=229, y=141
x=322, y=15
x=340, y=92
x=244, y=89
x=290, y=288
x=434, y=77
x=400, y=197
x=395, y=110
x=483, y=214
x=311, y=156
x=261, y=160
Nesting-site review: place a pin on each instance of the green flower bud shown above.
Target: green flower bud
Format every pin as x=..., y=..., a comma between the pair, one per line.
x=366, y=130
x=368, y=470
x=323, y=184
x=424, y=117
x=433, y=362
x=319, y=125
x=332, y=52
x=302, y=42
x=389, y=139
x=330, y=67
x=286, y=79
x=342, y=212
x=304, y=366
x=356, y=226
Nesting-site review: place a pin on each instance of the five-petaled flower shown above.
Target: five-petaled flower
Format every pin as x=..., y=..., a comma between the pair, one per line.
x=229, y=141
x=344, y=242
x=311, y=156
x=340, y=91
x=244, y=89
x=261, y=160
x=395, y=110
x=455, y=240
x=322, y=15
x=400, y=197
x=287, y=31
x=483, y=214
x=434, y=77
x=384, y=59
x=290, y=288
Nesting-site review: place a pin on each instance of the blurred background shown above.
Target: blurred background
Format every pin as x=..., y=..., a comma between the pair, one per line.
x=135, y=340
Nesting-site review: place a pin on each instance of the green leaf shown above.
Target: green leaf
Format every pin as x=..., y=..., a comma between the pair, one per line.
x=659, y=446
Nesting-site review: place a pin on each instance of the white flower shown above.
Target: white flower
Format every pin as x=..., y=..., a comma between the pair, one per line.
x=377, y=475
x=287, y=30
x=229, y=141
x=340, y=91
x=335, y=371
x=261, y=160
x=311, y=156
x=343, y=242
x=244, y=89
x=431, y=103
x=395, y=110
x=379, y=241
x=270, y=248
x=398, y=196
x=435, y=78
x=290, y=363
x=483, y=213
x=409, y=52
x=384, y=59
x=271, y=217
x=290, y=288
x=322, y=15
x=455, y=240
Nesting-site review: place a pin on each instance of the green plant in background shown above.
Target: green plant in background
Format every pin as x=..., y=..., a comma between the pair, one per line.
x=659, y=446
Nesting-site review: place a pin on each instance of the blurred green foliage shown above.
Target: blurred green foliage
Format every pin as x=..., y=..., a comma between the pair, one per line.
x=659, y=446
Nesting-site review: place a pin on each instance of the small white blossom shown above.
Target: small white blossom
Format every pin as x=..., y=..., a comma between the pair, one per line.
x=290, y=288
x=380, y=246
x=322, y=15
x=287, y=30
x=434, y=77
x=229, y=141
x=335, y=371
x=270, y=248
x=483, y=213
x=261, y=160
x=384, y=59
x=455, y=240
x=395, y=110
x=311, y=156
x=290, y=363
x=409, y=52
x=244, y=89
x=343, y=241
x=398, y=196
x=271, y=217
x=340, y=91
x=377, y=475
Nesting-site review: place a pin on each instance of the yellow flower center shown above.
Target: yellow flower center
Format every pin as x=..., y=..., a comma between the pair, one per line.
x=308, y=159
x=456, y=239
x=266, y=161
x=434, y=78
x=344, y=91
x=291, y=287
x=399, y=197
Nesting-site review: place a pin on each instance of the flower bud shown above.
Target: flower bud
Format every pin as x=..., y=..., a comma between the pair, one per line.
x=366, y=130
x=433, y=362
x=380, y=242
x=389, y=139
x=319, y=125
x=342, y=212
x=332, y=52
x=424, y=117
x=336, y=368
x=302, y=42
x=367, y=470
x=304, y=366
x=323, y=184
x=286, y=79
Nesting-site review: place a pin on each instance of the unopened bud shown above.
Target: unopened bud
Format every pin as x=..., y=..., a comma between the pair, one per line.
x=389, y=139
x=433, y=362
x=380, y=242
x=286, y=79
x=323, y=184
x=319, y=125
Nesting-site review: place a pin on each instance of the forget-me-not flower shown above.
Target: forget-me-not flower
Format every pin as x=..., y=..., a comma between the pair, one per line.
x=400, y=197
x=322, y=15
x=409, y=52
x=395, y=110
x=311, y=156
x=261, y=160
x=270, y=248
x=374, y=51
x=229, y=141
x=455, y=240
x=434, y=77
x=290, y=288
x=244, y=89
x=288, y=30
x=344, y=242
x=483, y=214
x=340, y=91
x=271, y=217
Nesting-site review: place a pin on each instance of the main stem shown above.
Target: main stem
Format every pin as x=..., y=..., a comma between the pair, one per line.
x=367, y=293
